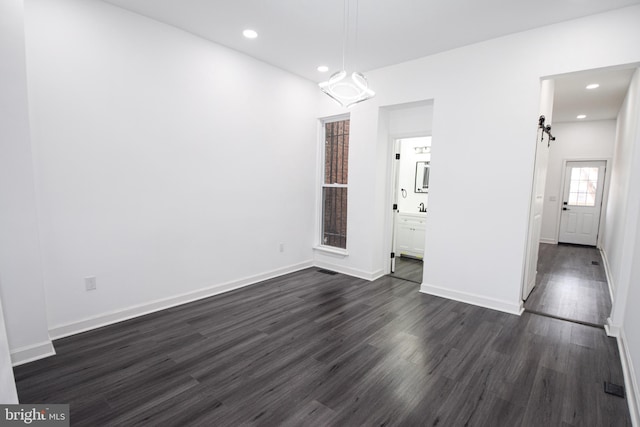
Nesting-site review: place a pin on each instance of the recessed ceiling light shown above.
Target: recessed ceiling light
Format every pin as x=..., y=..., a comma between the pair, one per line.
x=250, y=34
x=593, y=86
x=323, y=68
x=581, y=116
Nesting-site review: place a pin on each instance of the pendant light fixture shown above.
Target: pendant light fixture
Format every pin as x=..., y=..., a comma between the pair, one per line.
x=346, y=88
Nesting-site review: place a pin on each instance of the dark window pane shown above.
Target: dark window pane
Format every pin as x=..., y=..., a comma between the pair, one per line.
x=334, y=215
x=336, y=152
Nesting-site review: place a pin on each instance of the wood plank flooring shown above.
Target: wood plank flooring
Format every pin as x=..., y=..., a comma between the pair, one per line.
x=319, y=350
x=408, y=269
x=570, y=285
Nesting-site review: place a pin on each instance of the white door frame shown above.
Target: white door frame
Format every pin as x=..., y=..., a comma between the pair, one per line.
x=395, y=180
x=605, y=192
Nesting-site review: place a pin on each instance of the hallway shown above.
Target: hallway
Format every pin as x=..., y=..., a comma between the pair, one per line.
x=571, y=285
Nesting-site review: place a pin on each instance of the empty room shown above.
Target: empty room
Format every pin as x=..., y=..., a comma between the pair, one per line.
x=319, y=213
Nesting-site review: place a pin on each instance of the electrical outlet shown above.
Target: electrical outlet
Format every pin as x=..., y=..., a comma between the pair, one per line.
x=281, y=247
x=90, y=283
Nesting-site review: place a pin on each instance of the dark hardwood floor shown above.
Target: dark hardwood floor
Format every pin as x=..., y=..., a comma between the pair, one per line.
x=315, y=349
x=572, y=284
x=408, y=269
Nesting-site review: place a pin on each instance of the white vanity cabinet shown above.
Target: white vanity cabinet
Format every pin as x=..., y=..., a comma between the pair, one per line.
x=410, y=230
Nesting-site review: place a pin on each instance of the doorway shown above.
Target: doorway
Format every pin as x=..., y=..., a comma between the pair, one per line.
x=582, y=202
x=582, y=108
x=569, y=281
x=411, y=166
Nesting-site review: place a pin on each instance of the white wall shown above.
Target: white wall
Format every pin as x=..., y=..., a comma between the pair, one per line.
x=630, y=331
x=167, y=166
x=592, y=140
x=21, y=286
x=410, y=120
x=407, y=173
x=486, y=99
x=621, y=246
x=622, y=207
x=8, y=392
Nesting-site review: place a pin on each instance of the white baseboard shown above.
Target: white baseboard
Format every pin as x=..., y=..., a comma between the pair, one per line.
x=607, y=272
x=611, y=329
x=630, y=381
x=354, y=272
x=468, y=298
x=105, y=319
x=549, y=241
x=31, y=353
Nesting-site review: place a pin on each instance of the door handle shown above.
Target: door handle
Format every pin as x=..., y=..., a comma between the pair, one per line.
x=566, y=209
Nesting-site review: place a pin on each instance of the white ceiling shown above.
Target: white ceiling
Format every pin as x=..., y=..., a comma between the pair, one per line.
x=299, y=35
x=572, y=98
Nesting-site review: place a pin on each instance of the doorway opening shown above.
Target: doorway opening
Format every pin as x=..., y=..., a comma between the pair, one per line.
x=411, y=166
x=568, y=280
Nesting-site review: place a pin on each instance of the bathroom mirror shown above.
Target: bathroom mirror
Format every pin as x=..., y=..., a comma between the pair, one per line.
x=422, y=177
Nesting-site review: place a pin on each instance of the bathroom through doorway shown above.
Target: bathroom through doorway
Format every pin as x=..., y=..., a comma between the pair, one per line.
x=412, y=161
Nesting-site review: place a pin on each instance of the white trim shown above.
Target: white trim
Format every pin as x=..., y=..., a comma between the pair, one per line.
x=64, y=330
x=469, y=298
x=317, y=226
x=607, y=272
x=334, y=118
x=548, y=241
x=391, y=215
x=331, y=250
x=31, y=353
x=611, y=329
x=353, y=272
x=630, y=382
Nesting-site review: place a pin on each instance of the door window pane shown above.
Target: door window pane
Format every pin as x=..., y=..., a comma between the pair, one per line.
x=583, y=185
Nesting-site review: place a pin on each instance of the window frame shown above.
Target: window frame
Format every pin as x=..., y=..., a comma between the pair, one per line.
x=321, y=185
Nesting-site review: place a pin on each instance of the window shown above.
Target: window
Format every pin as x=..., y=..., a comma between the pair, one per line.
x=583, y=185
x=334, y=183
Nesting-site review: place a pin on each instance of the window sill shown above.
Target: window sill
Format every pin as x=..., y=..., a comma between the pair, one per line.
x=331, y=250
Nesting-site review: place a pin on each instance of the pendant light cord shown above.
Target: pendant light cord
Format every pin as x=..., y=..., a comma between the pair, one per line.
x=355, y=48
x=344, y=31
x=345, y=34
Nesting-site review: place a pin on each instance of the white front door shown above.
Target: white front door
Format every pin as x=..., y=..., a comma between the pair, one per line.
x=582, y=202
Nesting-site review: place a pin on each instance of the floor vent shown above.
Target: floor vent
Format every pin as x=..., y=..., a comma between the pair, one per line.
x=329, y=272
x=595, y=263
x=615, y=389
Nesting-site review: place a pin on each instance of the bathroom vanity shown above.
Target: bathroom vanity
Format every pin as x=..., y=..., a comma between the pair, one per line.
x=410, y=231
